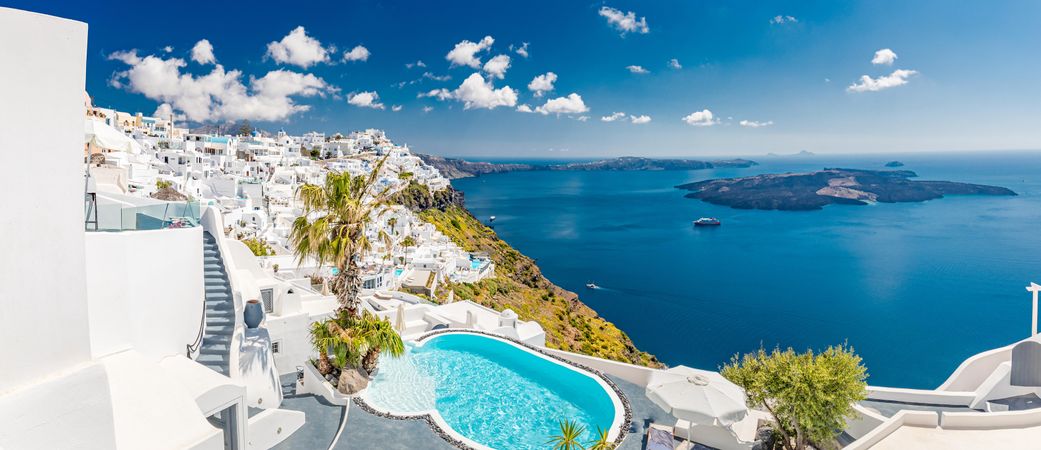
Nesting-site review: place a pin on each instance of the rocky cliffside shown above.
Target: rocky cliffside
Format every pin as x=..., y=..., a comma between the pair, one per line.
x=519, y=285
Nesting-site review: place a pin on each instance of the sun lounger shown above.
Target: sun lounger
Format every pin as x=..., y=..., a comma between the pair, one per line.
x=659, y=438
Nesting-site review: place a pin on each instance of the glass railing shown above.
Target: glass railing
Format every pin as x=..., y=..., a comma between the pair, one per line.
x=146, y=217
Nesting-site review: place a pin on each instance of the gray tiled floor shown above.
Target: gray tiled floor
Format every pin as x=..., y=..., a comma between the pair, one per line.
x=366, y=431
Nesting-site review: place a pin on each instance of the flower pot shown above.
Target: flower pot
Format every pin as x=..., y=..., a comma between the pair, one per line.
x=253, y=314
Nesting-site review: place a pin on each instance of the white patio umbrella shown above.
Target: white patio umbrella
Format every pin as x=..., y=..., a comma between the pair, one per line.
x=103, y=135
x=697, y=396
x=399, y=319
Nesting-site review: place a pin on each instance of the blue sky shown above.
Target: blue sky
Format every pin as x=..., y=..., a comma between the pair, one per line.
x=965, y=76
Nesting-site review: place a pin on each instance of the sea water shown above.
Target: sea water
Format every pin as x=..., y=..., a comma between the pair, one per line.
x=915, y=288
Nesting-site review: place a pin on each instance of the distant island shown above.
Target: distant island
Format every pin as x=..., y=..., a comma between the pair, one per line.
x=894, y=164
x=814, y=190
x=801, y=153
x=454, y=168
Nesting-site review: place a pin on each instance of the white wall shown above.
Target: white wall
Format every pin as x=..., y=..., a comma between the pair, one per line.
x=144, y=290
x=42, y=295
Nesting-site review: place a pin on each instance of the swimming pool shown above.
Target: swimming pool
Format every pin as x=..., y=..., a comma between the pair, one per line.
x=493, y=392
x=476, y=264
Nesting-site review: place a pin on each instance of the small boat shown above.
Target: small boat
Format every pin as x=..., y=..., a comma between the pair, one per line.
x=491, y=219
x=592, y=286
x=707, y=222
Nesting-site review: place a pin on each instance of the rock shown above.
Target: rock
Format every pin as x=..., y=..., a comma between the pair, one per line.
x=352, y=381
x=457, y=168
x=814, y=190
x=894, y=164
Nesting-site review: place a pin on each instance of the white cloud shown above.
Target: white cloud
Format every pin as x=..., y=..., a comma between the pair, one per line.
x=220, y=94
x=419, y=63
x=521, y=50
x=365, y=99
x=298, y=48
x=358, y=53
x=754, y=124
x=431, y=76
x=781, y=20
x=867, y=84
x=396, y=108
x=624, y=22
x=496, y=67
x=475, y=92
x=427, y=109
x=582, y=118
x=167, y=49
x=884, y=57
x=202, y=52
x=703, y=118
x=525, y=109
x=440, y=94
x=165, y=111
x=675, y=64
x=613, y=117
x=572, y=104
x=640, y=120
x=542, y=83
x=465, y=52
x=637, y=69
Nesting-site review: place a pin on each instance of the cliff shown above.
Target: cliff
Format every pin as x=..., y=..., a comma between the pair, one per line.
x=519, y=285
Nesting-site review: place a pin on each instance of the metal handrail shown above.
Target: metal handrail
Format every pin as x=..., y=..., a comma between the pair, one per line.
x=194, y=347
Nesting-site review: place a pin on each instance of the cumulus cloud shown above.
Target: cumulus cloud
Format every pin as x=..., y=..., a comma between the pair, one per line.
x=754, y=124
x=781, y=20
x=703, y=118
x=521, y=50
x=465, y=52
x=542, y=83
x=220, y=94
x=165, y=111
x=419, y=63
x=202, y=52
x=427, y=109
x=431, y=76
x=167, y=49
x=496, y=67
x=899, y=77
x=618, y=115
x=358, y=53
x=440, y=94
x=396, y=108
x=582, y=118
x=640, y=120
x=475, y=92
x=365, y=99
x=624, y=22
x=525, y=109
x=298, y=48
x=675, y=64
x=884, y=57
x=613, y=117
x=637, y=69
x=572, y=104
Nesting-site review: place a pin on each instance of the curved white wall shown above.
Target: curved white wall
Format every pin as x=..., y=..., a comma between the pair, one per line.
x=144, y=290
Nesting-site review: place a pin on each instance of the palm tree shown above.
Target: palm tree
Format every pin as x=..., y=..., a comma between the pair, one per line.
x=570, y=432
x=332, y=227
x=323, y=338
x=393, y=221
x=379, y=336
x=601, y=442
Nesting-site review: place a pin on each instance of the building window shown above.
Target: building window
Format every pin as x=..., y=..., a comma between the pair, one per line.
x=275, y=346
x=267, y=296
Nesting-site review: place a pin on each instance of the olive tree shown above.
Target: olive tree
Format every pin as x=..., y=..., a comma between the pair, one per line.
x=810, y=395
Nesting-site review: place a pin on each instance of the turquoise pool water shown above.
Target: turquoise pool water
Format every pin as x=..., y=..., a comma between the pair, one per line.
x=476, y=264
x=490, y=391
x=397, y=272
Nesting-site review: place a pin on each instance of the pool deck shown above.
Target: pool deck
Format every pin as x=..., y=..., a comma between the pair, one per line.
x=365, y=431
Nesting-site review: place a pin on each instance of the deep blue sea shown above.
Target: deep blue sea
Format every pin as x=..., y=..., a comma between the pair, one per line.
x=915, y=288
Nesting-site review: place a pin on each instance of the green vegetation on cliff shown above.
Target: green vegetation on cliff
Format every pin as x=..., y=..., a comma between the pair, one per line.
x=519, y=285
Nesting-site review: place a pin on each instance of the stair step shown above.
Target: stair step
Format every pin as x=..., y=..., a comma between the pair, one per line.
x=217, y=295
x=219, y=312
x=216, y=281
x=211, y=358
x=213, y=273
x=219, y=329
x=216, y=287
x=212, y=266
